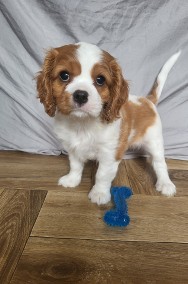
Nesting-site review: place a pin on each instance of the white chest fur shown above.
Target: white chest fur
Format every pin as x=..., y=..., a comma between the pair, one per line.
x=87, y=138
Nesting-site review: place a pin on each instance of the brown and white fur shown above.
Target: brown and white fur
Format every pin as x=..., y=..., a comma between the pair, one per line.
x=96, y=117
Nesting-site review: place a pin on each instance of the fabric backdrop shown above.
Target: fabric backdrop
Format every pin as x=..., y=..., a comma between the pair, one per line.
x=141, y=34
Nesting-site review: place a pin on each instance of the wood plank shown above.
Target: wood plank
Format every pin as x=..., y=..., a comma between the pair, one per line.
x=177, y=164
x=18, y=212
x=20, y=170
x=84, y=261
x=141, y=176
x=153, y=218
x=180, y=179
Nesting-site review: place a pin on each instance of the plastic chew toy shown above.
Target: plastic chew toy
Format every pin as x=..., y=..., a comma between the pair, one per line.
x=119, y=215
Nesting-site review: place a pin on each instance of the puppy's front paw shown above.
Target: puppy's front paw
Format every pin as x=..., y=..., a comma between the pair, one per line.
x=69, y=181
x=99, y=196
x=166, y=188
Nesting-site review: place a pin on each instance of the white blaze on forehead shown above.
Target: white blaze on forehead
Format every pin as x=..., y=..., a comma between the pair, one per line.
x=88, y=55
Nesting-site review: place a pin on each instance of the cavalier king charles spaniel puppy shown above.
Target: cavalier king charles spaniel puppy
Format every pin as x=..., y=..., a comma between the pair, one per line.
x=96, y=118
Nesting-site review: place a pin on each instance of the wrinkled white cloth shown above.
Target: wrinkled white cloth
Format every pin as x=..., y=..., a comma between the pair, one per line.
x=142, y=35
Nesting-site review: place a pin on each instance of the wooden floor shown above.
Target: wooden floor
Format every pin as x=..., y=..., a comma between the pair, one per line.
x=49, y=234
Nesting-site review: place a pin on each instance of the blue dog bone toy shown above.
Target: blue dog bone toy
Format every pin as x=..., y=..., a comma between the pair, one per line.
x=119, y=215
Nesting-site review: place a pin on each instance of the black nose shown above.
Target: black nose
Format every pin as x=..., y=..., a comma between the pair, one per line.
x=80, y=97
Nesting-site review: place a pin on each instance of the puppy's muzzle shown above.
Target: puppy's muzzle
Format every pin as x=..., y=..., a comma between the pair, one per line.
x=80, y=97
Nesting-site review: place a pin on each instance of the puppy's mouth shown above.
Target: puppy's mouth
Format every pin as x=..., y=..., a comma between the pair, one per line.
x=89, y=109
x=81, y=110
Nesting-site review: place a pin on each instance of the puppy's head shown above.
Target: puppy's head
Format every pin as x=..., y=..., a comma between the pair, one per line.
x=82, y=81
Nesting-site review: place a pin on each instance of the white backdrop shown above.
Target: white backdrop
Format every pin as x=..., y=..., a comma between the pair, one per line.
x=142, y=35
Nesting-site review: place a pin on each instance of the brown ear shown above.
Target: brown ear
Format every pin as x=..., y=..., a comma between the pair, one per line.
x=118, y=94
x=44, y=83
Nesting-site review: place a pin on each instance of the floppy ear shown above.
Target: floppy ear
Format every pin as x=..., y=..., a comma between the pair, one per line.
x=118, y=94
x=44, y=83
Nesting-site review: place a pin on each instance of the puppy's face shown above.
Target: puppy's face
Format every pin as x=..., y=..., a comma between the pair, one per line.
x=83, y=81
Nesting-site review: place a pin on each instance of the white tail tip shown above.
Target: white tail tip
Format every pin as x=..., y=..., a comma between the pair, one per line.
x=170, y=62
x=161, y=79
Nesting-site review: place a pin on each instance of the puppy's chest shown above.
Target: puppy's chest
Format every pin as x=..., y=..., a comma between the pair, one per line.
x=84, y=143
x=89, y=142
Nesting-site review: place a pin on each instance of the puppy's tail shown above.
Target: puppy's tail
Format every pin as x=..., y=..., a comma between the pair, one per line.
x=161, y=78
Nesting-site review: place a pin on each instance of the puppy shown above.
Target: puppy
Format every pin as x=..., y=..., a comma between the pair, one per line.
x=83, y=87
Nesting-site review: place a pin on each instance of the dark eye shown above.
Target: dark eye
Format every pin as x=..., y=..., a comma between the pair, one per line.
x=100, y=80
x=64, y=75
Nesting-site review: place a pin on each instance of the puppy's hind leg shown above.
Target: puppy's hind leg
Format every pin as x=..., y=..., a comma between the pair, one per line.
x=154, y=147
